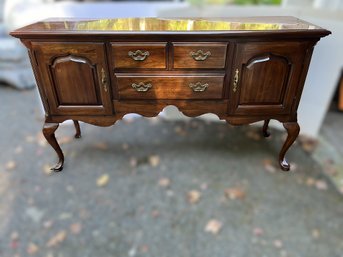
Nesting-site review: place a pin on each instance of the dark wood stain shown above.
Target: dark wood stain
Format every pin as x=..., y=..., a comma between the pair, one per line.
x=89, y=75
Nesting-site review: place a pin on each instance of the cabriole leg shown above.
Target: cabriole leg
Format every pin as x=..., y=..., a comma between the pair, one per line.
x=77, y=128
x=293, y=130
x=49, y=134
x=265, y=131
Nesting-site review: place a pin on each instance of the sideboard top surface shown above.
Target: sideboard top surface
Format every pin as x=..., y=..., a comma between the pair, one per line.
x=231, y=26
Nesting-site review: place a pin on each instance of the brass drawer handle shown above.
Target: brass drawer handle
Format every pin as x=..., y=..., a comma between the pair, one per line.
x=103, y=79
x=198, y=87
x=235, y=81
x=200, y=55
x=138, y=55
x=141, y=87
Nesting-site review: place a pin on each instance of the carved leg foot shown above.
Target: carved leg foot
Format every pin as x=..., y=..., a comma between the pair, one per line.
x=265, y=131
x=77, y=128
x=293, y=132
x=49, y=134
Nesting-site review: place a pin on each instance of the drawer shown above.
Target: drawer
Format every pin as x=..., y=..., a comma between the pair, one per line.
x=139, y=55
x=136, y=86
x=199, y=55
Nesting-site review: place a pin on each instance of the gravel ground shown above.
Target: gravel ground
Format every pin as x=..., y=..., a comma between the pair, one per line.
x=154, y=188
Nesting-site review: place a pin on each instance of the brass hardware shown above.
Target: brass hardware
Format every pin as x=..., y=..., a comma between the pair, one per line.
x=200, y=55
x=139, y=55
x=104, y=79
x=198, y=87
x=141, y=87
x=235, y=80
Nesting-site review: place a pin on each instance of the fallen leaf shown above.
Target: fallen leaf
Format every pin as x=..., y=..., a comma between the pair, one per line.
x=133, y=162
x=75, y=228
x=310, y=181
x=14, y=235
x=144, y=248
x=32, y=249
x=315, y=233
x=103, y=180
x=330, y=169
x=213, y=226
x=268, y=165
x=65, y=140
x=154, y=160
x=101, y=146
x=254, y=135
x=29, y=139
x=180, y=131
x=258, y=231
x=193, y=196
x=308, y=144
x=48, y=224
x=18, y=150
x=57, y=239
x=164, y=182
x=11, y=165
x=65, y=216
x=203, y=186
x=321, y=185
x=125, y=146
x=235, y=193
x=155, y=213
x=278, y=244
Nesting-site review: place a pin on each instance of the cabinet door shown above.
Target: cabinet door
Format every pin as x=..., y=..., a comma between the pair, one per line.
x=265, y=77
x=74, y=77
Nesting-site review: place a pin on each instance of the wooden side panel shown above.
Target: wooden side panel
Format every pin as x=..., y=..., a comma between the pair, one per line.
x=75, y=77
x=265, y=77
x=269, y=88
x=82, y=74
x=199, y=55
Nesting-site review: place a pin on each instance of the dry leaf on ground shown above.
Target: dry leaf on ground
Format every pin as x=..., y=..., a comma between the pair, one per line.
x=310, y=181
x=258, y=231
x=102, y=180
x=254, y=135
x=154, y=160
x=133, y=162
x=144, y=248
x=213, y=226
x=101, y=146
x=11, y=165
x=268, y=166
x=57, y=239
x=164, y=182
x=193, y=196
x=18, y=150
x=315, y=233
x=32, y=249
x=308, y=144
x=321, y=185
x=278, y=244
x=125, y=146
x=235, y=193
x=180, y=131
x=75, y=228
x=65, y=140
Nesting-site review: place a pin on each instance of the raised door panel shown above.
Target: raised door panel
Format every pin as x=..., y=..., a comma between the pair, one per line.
x=74, y=77
x=265, y=77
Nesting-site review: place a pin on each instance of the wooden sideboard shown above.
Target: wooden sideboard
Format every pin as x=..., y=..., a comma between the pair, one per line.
x=242, y=69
